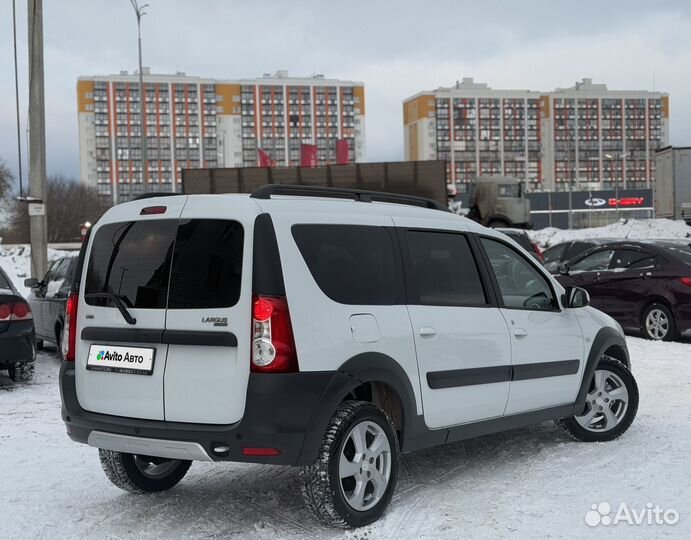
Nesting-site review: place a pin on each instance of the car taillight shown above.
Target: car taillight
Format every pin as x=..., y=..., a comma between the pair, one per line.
x=273, y=346
x=15, y=311
x=69, y=329
x=686, y=281
x=538, y=251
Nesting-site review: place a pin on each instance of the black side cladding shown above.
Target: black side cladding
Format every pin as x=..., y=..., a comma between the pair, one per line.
x=267, y=271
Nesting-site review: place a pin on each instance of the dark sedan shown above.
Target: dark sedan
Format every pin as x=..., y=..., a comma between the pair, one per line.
x=48, y=298
x=645, y=285
x=566, y=251
x=17, y=352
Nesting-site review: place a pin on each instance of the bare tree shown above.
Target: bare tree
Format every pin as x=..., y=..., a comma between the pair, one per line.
x=69, y=204
x=6, y=181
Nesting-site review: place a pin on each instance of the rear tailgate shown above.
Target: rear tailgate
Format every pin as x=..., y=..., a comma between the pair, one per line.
x=209, y=311
x=129, y=254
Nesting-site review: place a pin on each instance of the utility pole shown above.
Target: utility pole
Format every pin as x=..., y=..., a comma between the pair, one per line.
x=38, y=224
x=139, y=12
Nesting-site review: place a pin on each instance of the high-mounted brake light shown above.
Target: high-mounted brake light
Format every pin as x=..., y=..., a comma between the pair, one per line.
x=686, y=281
x=69, y=329
x=150, y=210
x=273, y=346
x=16, y=311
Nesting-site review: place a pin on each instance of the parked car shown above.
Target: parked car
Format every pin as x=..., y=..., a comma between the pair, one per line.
x=48, y=298
x=522, y=239
x=322, y=333
x=645, y=285
x=17, y=352
x=563, y=252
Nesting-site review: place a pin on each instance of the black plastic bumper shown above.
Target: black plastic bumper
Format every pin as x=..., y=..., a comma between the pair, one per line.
x=17, y=342
x=281, y=412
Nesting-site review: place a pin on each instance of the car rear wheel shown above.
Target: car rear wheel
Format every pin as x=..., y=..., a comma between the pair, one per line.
x=352, y=481
x=142, y=474
x=658, y=323
x=611, y=404
x=22, y=372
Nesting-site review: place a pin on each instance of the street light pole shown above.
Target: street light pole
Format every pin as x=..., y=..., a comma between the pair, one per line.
x=610, y=157
x=139, y=12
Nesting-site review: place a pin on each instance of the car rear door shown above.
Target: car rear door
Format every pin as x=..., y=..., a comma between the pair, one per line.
x=209, y=312
x=462, y=342
x=129, y=255
x=629, y=282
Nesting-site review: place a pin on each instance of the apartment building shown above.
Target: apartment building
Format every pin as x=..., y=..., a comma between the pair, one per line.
x=582, y=137
x=192, y=122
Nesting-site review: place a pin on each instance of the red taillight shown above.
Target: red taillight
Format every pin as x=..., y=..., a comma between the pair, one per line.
x=16, y=311
x=538, y=251
x=251, y=451
x=273, y=346
x=152, y=210
x=69, y=330
x=686, y=281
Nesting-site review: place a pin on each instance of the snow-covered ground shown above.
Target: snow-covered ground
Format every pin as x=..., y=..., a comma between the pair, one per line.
x=625, y=228
x=527, y=483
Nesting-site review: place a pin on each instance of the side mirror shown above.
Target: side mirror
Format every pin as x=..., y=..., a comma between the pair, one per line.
x=575, y=297
x=31, y=282
x=563, y=269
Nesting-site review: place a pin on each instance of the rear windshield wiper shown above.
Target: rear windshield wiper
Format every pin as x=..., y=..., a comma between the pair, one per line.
x=117, y=300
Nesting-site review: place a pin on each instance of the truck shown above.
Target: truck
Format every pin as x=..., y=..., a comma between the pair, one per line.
x=498, y=201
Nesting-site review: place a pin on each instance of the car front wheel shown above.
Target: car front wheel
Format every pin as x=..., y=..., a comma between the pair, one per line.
x=611, y=404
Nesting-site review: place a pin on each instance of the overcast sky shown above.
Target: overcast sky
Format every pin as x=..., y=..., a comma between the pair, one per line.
x=397, y=48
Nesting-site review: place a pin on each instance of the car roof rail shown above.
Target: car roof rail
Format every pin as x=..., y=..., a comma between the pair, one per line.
x=360, y=195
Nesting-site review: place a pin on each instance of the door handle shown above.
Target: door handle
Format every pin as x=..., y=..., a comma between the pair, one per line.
x=427, y=331
x=520, y=332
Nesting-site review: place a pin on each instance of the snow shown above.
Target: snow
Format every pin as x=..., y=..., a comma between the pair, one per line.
x=16, y=262
x=624, y=228
x=527, y=483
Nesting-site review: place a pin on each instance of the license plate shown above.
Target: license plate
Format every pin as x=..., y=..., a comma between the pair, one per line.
x=116, y=359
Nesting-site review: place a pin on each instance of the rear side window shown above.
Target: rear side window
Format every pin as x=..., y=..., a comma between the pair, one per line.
x=555, y=253
x=352, y=264
x=444, y=269
x=189, y=264
x=4, y=283
x=132, y=260
x=629, y=258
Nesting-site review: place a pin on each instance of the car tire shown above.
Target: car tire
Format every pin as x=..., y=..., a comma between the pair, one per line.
x=58, y=343
x=332, y=495
x=39, y=344
x=612, y=399
x=657, y=323
x=22, y=371
x=142, y=474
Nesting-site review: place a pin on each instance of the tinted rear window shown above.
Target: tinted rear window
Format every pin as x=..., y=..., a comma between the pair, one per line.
x=444, y=269
x=133, y=260
x=351, y=264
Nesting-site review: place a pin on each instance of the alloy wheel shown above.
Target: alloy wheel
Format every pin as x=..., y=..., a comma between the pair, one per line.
x=364, y=467
x=606, y=403
x=657, y=324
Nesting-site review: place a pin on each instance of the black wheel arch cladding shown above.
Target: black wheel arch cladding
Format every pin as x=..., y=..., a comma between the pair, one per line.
x=369, y=367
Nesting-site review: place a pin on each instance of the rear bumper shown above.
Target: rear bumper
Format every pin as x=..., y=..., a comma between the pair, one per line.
x=279, y=414
x=17, y=343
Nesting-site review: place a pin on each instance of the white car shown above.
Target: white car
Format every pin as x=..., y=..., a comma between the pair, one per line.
x=298, y=328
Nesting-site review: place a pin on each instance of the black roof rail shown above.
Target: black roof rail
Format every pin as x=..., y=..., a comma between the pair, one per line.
x=361, y=195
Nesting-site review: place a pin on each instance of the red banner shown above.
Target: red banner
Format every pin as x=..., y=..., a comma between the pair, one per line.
x=308, y=155
x=342, y=151
x=265, y=160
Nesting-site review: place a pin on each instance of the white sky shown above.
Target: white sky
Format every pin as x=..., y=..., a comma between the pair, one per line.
x=397, y=48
